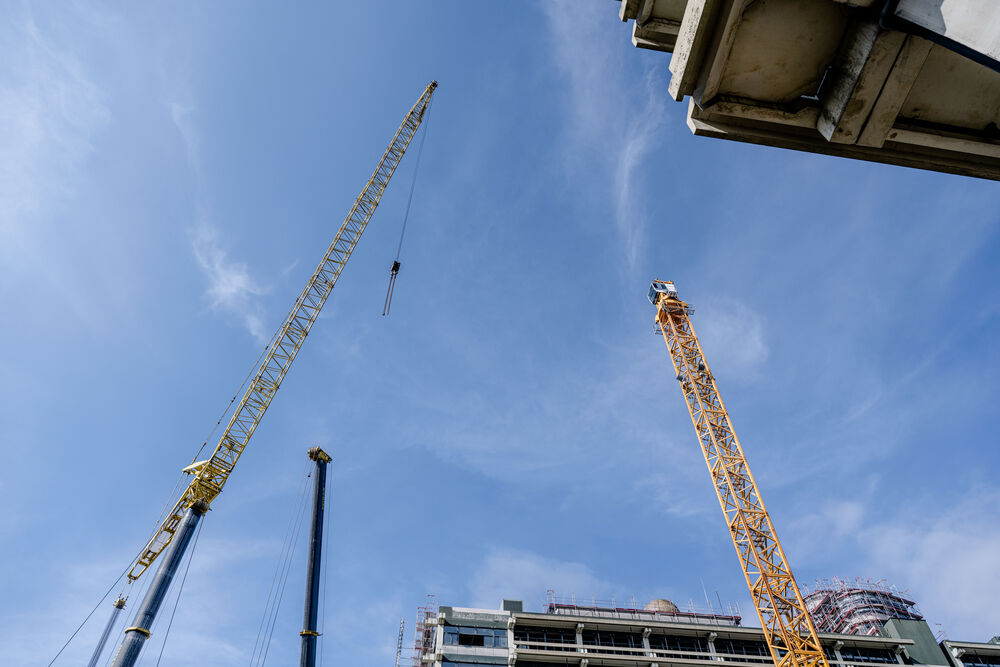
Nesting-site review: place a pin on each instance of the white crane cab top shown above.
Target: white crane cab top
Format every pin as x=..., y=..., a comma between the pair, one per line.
x=661, y=287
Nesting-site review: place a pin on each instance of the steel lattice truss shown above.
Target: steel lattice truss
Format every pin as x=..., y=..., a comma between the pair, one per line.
x=212, y=474
x=787, y=625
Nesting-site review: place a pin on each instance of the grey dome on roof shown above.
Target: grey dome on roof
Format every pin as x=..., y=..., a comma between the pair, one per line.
x=662, y=605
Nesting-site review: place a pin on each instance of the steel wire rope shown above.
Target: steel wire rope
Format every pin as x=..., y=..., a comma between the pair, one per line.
x=278, y=565
x=157, y=620
x=172, y=497
x=281, y=593
x=326, y=569
x=87, y=617
x=406, y=216
x=255, y=366
x=123, y=621
x=413, y=183
x=180, y=590
x=281, y=559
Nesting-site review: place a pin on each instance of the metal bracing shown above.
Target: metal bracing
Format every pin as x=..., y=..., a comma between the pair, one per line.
x=211, y=475
x=788, y=628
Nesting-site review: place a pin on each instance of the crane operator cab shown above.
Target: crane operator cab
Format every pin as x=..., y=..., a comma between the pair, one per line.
x=661, y=287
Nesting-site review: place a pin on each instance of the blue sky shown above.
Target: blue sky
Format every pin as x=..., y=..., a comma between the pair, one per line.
x=170, y=175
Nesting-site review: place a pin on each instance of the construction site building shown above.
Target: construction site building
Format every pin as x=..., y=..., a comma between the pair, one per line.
x=606, y=634
x=971, y=654
x=861, y=607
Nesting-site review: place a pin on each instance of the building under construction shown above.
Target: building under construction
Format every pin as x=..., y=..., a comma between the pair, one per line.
x=859, y=607
x=597, y=633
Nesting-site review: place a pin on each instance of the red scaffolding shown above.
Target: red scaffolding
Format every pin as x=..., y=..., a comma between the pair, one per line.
x=858, y=607
x=423, y=632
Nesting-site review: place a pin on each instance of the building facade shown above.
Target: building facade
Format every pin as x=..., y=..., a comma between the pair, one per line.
x=659, y=635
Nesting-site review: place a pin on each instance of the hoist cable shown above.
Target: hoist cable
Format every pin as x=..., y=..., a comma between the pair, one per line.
x=272, y=590
x=281, y=592
x=326, y=570
x=406, y=216
x=277, y=568
x=180, y=590
x=171, y=498
x=413, y=183
x=239, y=390
x=87, y=618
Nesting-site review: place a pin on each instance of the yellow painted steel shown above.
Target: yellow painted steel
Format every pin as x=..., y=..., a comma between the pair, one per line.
x=211, y=475
x=787, y=625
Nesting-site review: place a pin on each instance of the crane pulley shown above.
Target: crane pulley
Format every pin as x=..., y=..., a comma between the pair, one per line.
x=787, y=625
x=210, y=476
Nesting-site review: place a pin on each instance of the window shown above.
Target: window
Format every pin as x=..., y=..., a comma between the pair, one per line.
x=607, y=638
x=874, y=655
x=545, y=635
x=695, y=645
x=456, y=635
x=740, y=647
x=969, y=658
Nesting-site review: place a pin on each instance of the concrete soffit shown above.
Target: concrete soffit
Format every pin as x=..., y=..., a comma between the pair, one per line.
x=824, y=76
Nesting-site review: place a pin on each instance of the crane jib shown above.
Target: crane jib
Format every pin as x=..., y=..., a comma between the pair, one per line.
x=211, y=475
x=788, y=628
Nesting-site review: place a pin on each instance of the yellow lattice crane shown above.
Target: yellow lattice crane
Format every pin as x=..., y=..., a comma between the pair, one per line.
x=210, y=475
x=787, y=625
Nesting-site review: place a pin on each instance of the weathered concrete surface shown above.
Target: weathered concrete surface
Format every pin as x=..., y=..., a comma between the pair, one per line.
x=829, y=76
x=962, y=24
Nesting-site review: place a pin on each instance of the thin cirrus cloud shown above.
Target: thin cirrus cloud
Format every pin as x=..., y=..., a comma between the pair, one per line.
x=231, y=289
x=49, y=110
x=914, y=546
x=515, y=573
x=605, y=127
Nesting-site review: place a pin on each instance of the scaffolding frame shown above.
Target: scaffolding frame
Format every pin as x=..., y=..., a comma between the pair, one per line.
x=423, y=632
x=859, y=606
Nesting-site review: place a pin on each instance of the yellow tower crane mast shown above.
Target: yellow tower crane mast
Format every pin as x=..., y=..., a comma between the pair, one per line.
x=788, y=628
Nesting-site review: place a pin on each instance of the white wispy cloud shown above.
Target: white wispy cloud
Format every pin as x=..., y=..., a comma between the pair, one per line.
x=947, y=557
x=944, y=553
x=588, y=423
x=231, y=289
x=613, y=124
x=525, y=575
x=733, y=337
x=49, y=110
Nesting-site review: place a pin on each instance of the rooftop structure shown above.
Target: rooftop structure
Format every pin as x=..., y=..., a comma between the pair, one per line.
x=906, y=82
x=601, y=634
x=973, y=654
x=858, y=607
x=655, y=610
